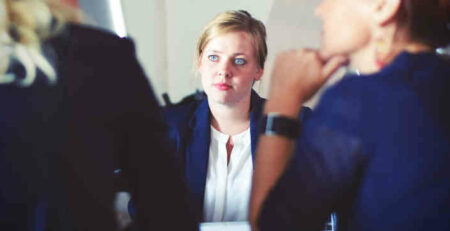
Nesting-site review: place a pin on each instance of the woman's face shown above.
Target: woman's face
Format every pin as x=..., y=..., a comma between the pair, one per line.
x=228, y=68
x=346, y=26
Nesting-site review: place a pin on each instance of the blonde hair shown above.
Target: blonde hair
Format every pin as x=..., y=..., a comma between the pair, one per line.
x=233, y=21
x=24, y=25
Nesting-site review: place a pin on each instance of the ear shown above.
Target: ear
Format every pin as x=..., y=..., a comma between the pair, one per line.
x=259, y=74
x=386, y=10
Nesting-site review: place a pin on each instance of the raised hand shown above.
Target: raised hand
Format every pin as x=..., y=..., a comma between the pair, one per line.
x=296, y=76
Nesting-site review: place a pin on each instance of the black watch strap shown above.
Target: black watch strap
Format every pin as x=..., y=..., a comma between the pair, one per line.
x=276, y=124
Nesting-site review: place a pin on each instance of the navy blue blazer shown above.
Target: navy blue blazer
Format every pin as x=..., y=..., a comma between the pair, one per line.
x=190, y=133
x=376, y=150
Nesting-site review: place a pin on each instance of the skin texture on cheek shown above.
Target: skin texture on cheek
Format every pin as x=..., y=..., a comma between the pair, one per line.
x=345, y=26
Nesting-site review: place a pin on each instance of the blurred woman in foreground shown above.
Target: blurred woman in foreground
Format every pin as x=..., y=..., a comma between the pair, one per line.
x=376, y=148
x=74, y=106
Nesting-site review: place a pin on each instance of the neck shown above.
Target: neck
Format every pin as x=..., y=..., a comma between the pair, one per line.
x=365, y=60
x=230, y=119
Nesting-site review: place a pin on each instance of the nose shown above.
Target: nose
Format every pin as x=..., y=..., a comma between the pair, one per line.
x=225, y=69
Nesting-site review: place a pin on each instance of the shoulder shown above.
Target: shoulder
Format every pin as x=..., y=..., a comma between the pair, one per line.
x=256, y=103
x=353, y=102
x=180, y=114
x=93, y=36
x=352, y=91
x=83, y=40
x=88, y=59
x=400, y=79
x=342, y=106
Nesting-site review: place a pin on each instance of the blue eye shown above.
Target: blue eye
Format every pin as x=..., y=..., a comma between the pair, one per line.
x=213, y=57
x=239, y=61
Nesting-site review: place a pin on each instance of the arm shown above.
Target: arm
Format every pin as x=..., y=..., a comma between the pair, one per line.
x=273, y=153
x=297, y=76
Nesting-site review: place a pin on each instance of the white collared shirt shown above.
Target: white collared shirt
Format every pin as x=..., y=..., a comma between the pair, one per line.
x=228, y=186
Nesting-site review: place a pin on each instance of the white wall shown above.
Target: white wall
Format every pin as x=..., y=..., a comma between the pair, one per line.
x=291, y=24
x=146, y=23
x=165, y=33
x=97, y=13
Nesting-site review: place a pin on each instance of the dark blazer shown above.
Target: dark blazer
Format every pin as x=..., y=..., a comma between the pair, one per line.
x=59, y=145
x=190, y=133
x=375, y=150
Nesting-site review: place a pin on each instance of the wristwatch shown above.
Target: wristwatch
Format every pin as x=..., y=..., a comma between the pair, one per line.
x=274, y=124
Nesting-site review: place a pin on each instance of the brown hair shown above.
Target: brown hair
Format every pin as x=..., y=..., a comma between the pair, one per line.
x=232, y=21
x=427, y=21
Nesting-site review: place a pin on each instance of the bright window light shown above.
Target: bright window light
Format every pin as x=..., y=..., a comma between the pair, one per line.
x=117, y=17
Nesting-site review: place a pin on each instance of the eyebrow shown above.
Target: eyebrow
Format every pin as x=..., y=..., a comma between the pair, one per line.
x=235, y=54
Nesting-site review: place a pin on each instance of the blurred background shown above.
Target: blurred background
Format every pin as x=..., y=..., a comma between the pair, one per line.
x=165, y=33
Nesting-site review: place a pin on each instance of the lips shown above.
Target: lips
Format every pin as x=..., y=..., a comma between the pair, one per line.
x=222, y=86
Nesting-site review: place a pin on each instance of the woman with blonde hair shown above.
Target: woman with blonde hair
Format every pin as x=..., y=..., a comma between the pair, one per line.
x=215, y=138
x=376, y=148
x=74, y=106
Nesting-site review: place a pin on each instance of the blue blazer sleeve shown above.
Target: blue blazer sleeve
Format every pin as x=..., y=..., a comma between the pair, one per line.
x=320, y=173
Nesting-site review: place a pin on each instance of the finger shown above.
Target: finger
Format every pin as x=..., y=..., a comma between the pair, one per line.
x=332, y=65
x=307, y=49
x=324, y=55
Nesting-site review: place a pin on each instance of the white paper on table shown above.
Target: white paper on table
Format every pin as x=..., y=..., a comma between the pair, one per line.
x=225, y=226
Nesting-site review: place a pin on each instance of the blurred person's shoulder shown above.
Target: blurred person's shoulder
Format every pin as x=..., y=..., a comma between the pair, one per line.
x=182, y=112
x=84, y=54
x=88, y=38
x=92, y=35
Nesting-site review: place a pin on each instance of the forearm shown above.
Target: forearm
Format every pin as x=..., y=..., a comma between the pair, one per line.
x=273, y=154
x=297, y=75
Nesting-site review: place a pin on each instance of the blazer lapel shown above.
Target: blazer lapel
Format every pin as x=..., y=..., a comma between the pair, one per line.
x=256, y=107
x=197, y=154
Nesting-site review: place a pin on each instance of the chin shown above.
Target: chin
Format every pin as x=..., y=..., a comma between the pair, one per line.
x=224, y=100
x=326, y=52
x=218, y=97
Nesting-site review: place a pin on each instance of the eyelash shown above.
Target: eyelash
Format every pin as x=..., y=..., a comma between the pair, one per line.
x=243, y=61
x=211, y=57
x=214, y=58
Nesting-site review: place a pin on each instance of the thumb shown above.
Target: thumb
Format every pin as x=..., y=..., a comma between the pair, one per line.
x=332, y=65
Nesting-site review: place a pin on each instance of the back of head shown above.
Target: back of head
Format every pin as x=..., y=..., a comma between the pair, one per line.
x=233, y=21
x=24, y=25
x=427, y=21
